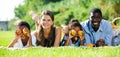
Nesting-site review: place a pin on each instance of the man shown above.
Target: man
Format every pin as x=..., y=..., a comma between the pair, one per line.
x=97, y=28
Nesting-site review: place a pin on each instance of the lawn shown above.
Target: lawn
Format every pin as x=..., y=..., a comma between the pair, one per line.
x=7, y=36
x=61, y=52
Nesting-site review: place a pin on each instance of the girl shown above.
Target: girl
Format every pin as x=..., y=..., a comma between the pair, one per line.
x=23, y=38
x=76, y=34
x=47, y=34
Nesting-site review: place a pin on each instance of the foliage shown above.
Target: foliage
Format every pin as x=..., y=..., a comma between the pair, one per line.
x=64, y=10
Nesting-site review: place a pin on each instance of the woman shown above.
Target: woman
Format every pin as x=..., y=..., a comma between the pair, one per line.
x=47, y=35
x=23, y=38
x=76, y=34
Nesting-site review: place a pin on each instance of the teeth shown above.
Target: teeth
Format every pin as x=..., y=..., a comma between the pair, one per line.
x=95, y=23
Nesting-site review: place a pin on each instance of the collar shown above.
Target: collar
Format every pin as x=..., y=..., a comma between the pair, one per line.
x=92, y=30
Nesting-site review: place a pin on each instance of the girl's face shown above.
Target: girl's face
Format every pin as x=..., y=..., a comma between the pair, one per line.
x=23, y=36
x=76, y=29
x=46, y=21
x=76, y=38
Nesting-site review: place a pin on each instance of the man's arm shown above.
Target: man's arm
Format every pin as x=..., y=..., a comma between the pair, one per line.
x=108, y=38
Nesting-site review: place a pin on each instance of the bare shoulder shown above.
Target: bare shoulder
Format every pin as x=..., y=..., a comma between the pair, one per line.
x=58, y=29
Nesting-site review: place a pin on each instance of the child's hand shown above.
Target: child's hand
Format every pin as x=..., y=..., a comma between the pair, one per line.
x=26, y=32
x=18, y=33
x=70, y=34
x=73, y=32
x=81, y=35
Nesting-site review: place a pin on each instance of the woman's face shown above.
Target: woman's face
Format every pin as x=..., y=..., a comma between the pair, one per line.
x=46, y=21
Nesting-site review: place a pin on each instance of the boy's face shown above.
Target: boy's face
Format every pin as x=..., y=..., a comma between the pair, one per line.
x=95, y=19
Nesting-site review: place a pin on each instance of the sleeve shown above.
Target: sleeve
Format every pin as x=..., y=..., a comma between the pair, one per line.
x=86, y=31
x=33, y=40
x=87, y=39
x=108, y=38
x=65, y=37
x=18, y=44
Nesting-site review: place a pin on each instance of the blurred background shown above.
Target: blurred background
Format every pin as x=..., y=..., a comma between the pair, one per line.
x=63, y=10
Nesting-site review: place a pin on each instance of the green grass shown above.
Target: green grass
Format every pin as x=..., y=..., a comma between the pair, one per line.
x=7, y=36
x=61, y=52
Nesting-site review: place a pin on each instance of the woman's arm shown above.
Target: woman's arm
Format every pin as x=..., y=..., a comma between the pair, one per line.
x=58, y=37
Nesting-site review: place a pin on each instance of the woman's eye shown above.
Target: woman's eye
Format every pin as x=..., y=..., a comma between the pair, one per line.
x=43, y=19
x=48, y=19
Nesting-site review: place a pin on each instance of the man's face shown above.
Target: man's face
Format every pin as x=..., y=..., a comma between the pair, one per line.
x=95, y=19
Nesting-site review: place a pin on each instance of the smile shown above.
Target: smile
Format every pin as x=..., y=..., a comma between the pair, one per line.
x=95, y=23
